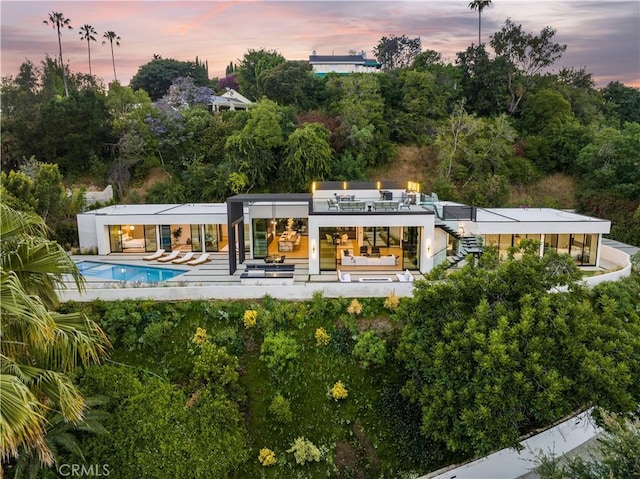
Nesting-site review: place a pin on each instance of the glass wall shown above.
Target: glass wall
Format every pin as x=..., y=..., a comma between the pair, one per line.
x=581, y=247
x=151, y=240
x=115, y=238
x=260, y=237
x=410, y=247
x=328, y=261
x=196, y=243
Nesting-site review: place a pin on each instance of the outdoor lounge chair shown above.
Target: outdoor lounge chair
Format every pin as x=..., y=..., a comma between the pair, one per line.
x=185, y=258
x=406, y=203
x=405, y=277
x=202, y=259
x=155, y=255
x=170, y=257
x=344, y=277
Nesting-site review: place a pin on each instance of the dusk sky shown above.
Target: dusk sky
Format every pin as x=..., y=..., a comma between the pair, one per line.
x=601, y=35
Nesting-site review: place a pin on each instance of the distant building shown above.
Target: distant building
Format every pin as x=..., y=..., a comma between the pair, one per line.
x=229, y=100
x=343, y=64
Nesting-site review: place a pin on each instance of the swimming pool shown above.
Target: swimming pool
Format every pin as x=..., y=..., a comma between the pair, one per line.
x=127, y=272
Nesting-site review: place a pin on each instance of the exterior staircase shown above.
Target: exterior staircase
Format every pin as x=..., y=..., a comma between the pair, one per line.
x=468, y=245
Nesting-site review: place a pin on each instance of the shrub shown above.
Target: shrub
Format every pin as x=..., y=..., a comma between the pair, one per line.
x=200, y=336
x=250, y=318
x=392, y=302
x=304, y=451
x=218, y=368
x=322, y=337
x=153, y=332
x=338, y=391
x=340, y=341
x=355, y=308
x=370, y=349
x=267, y=457
x=279, y=351
x=280, y=409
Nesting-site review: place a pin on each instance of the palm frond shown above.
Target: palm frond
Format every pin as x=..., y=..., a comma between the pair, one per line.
x=15, y=223
x=24, y=317
x=22, y=421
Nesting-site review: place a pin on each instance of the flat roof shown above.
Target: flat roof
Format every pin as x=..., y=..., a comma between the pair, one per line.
x=270, y=197
x=186, y=209
x=530, y=215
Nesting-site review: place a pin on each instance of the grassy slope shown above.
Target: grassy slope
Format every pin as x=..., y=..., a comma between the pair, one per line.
x=355, y=435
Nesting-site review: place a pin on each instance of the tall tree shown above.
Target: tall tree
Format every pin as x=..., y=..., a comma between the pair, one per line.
x=479, y=5
x=397, y=52
x=59, y=22
x=39, y=348
x=529, y=54
x=157, y=76
x=253, y=63
x=87, y=33
x=112, y=37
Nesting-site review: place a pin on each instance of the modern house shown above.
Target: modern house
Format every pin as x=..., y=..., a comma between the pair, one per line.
x=343, y=64
x=348, y=226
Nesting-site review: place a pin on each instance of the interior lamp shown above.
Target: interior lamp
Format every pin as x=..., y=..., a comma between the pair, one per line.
x=131, y=228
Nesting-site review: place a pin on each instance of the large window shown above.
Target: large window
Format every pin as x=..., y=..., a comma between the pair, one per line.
x=196, y=243
x=260, y=237
x=410, y=247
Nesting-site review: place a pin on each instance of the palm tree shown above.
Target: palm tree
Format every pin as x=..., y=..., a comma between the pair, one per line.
x=479, y=5
x=58, y=21
x=38, y=347
x=62, y=437
x=87, y=33
x=111, y=36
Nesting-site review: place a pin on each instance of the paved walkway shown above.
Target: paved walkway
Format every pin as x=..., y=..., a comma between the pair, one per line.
x=573, y=436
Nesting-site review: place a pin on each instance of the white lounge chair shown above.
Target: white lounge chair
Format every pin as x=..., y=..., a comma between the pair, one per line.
x=405, y=277
x=185, y=258
x=344, y=277
x=170, y=257
x=202, y=259
x=155, y=255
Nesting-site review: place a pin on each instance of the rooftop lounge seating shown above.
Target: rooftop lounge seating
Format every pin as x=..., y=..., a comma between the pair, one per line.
x=352, y=205
x=406, y=203
x=333, y=204
x=156, y=255
x=385, y=205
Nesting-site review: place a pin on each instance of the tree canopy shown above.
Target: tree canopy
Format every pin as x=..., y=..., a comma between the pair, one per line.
x=493, y=352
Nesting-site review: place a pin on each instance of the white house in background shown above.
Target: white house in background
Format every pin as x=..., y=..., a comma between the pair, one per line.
x=229, y=100
x=347, y=226
x=342, y=64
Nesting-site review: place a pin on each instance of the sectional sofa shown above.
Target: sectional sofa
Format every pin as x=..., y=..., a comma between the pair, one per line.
x=348, y=260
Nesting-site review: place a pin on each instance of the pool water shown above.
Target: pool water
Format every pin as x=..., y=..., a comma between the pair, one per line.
x=127, y=272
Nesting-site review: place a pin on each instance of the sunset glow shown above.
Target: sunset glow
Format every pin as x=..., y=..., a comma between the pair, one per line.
x=602, y=36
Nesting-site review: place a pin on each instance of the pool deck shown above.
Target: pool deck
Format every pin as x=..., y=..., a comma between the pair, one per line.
x=212, y=280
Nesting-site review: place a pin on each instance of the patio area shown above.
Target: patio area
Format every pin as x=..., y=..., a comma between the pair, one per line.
x=212, y=280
